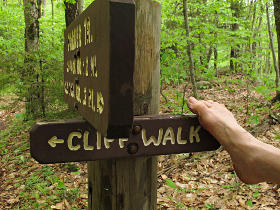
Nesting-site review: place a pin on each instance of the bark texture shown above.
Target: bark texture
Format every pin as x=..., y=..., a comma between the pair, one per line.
x=71, y=12
x=131, y=184
x=29, y=74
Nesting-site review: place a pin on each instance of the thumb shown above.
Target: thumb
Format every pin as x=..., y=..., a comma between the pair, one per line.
x=196, y=106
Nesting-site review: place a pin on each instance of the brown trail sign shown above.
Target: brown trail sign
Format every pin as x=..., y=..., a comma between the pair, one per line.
x=99, y=64
x=77, y=140
x=100, y=82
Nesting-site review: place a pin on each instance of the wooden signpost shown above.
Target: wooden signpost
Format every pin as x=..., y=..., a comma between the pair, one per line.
x=111, y=77
x=76, y=140
x=99, y=64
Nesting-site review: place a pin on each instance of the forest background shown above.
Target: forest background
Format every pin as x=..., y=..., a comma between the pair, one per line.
x=227, y=47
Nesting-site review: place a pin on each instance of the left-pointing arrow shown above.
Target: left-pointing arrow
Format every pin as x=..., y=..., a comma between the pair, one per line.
x=54, y=140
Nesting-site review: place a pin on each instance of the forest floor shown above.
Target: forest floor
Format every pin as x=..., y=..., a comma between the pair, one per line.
x=204, y=180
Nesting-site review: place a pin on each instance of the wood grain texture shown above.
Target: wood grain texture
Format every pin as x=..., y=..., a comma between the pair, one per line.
x=131, y=184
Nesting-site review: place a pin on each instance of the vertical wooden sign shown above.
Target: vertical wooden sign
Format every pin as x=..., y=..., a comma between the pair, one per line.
x=99, y=54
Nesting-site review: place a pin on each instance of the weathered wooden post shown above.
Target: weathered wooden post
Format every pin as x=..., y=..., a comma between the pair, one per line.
x=131, y=183
x=111, y=72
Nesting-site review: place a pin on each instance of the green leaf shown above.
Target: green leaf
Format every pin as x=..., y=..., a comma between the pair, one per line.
x=19, y=115
x=249, y=203
x=61, y=185
x=208, y=206
x=170, y=183
x=256, y=194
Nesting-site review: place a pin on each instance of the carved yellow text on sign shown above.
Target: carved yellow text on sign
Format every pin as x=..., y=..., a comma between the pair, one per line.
x=78, y=140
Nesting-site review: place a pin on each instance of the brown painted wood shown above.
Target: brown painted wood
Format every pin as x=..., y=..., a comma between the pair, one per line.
x=131, y=183
x=99, y=53
x=76, y=140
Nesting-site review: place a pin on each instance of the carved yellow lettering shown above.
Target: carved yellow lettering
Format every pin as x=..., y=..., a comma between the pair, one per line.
x=85, y=26
x=78, y=93
x=90, y=95
x=85, y=97
x=86, y=67
x=74, y=66
x=169, y=135
x=65, y=88
x=98, y=140
x=85, y=139
x=152, y=139
x=93, y=66
x=179, y=137
x=70, y=141
x=194, y=133
x=87, y=31
x=80, y=36
x=72, y=90
x=72, y=40
x=107, y=142
x=79, y=66
x=77, y=37
x=121, y=142
x=100, y=103
x=91, y=99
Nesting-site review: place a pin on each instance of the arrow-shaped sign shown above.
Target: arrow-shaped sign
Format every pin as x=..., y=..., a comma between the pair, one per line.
x=54, y=140
x=151, y=135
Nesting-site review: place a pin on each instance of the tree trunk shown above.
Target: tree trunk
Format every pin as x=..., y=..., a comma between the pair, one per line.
x=80, y=6
x=209, y=54
x=52, y=10
x=254, y=43
x=131, y=183
x=234, y=51
x=44, y=8
x=276, y=67
x=71, y=12
x=276, y=4
x=216, y=60
x=268, y=63
x=31, y=17
x=189, y=51
x=215, y=46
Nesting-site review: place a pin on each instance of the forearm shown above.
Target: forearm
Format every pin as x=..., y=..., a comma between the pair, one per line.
x=254, y=160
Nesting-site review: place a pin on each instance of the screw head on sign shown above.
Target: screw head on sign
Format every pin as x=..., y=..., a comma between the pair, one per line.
x=76, y=80
x=136, y=130
x=76, y=105
x=132, y=148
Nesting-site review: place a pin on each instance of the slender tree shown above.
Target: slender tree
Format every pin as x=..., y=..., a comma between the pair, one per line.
x=44, y=8
x=189, y=50
x=215, y=45
x=276, y=4
x=234, y=51
x=32, y=13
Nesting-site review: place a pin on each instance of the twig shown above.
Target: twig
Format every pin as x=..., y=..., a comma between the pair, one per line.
x=184, y=93
x=275, y=118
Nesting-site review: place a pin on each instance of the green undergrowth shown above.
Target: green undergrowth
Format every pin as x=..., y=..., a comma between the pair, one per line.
x=31, y=185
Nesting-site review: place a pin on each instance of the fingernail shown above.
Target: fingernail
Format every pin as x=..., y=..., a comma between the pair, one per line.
x=192, y=100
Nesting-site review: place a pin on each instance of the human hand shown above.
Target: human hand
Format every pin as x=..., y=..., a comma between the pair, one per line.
x=214, y=117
